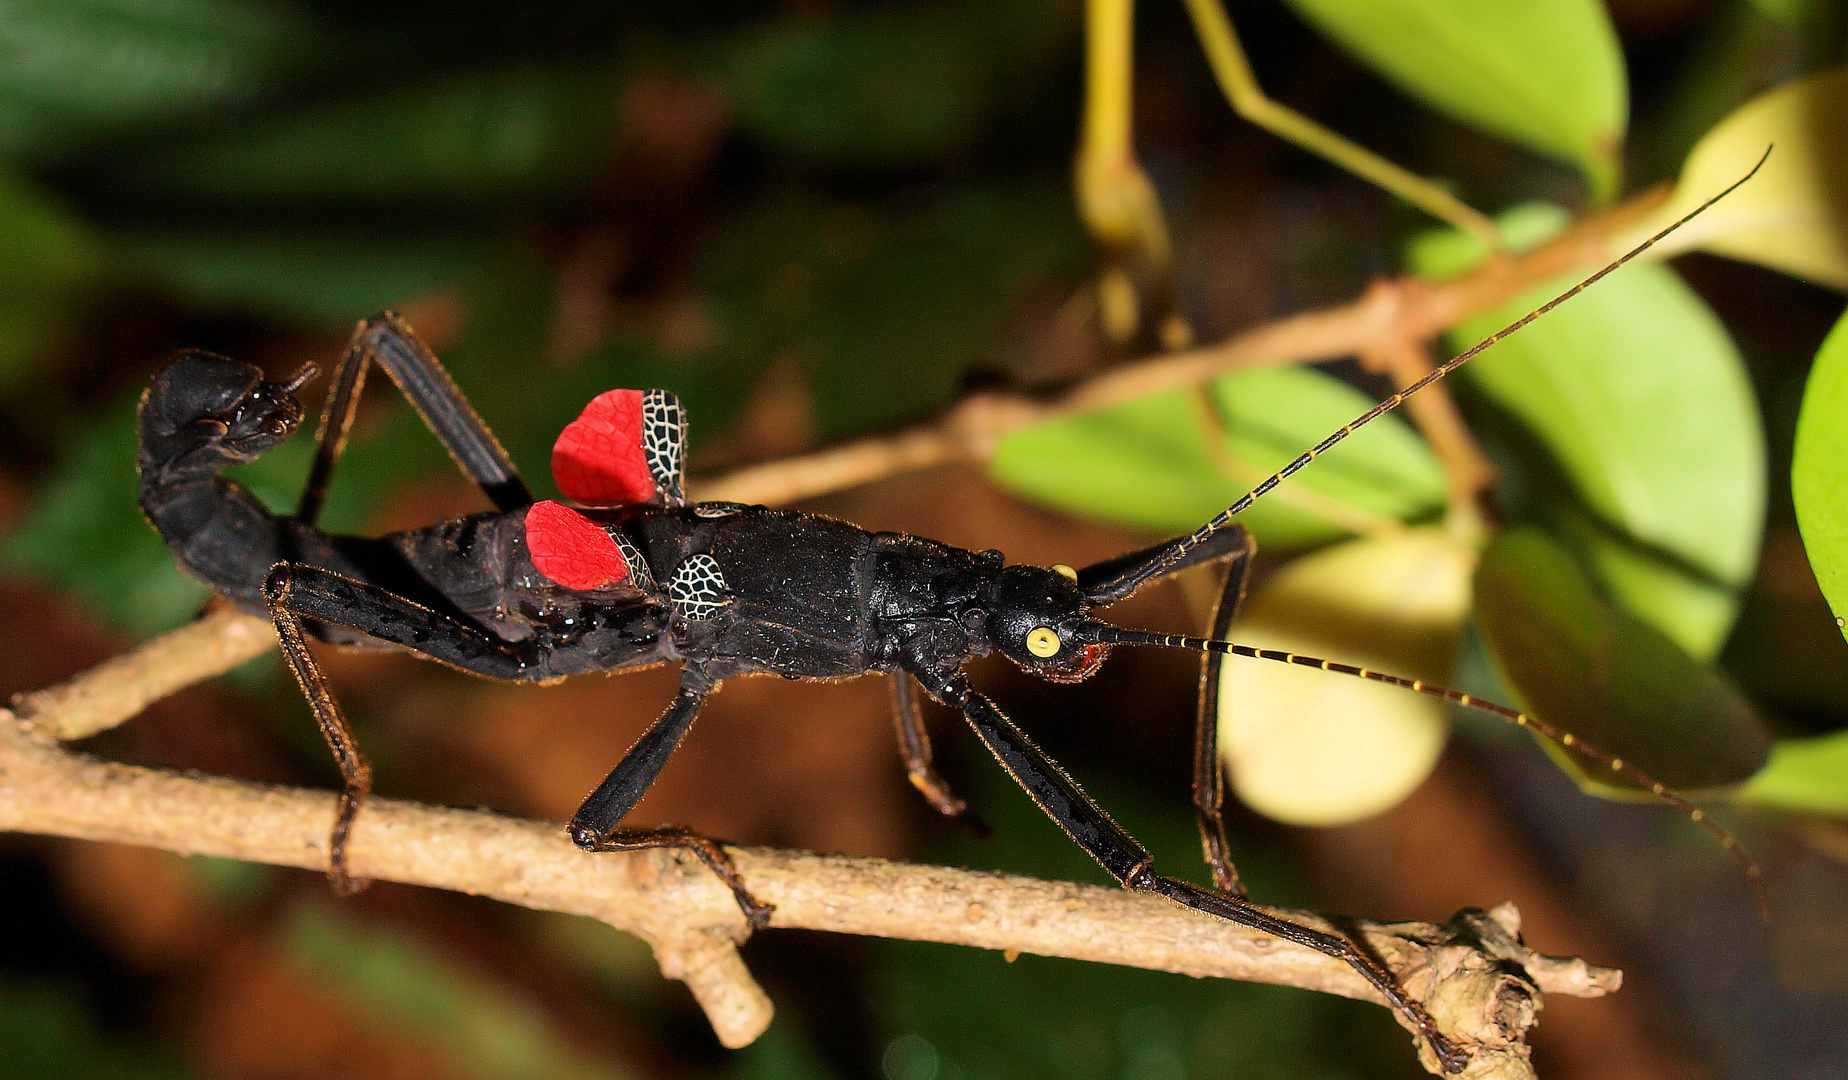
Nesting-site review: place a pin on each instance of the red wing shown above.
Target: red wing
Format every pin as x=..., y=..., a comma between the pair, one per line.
x=571, y=549
x=598, y=458
x=625, y=448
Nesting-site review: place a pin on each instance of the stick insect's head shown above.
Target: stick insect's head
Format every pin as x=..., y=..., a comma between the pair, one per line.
x=203, y=406
x=1039, y=619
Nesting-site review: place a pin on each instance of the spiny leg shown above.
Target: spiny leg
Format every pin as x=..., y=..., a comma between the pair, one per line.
x=1208, y=773
x=415, y=369
x=914, y=746
x=595, y=825
x=355, y=771
x=294, y=592
x=1127, y=861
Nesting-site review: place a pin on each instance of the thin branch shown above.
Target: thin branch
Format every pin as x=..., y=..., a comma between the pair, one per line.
x=1405, y=310
x=1227, y=58
x=1468, y=474
x=1482, y=986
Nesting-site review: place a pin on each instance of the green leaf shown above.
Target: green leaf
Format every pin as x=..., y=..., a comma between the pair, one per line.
x=1641, y=397
x=1793, y=214
x=1545, y=73
x=322, y=279
x=74, y=70
x=1819, y=469
x=1587, y=668
x=470, y=136
x=47, y=258
x=1147, y=464
x=1809, y=776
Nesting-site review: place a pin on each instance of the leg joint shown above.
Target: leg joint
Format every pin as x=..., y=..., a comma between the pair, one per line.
x=278, y=583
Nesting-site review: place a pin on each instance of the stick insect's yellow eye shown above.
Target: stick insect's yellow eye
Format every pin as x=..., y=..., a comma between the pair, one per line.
x=1043, y=642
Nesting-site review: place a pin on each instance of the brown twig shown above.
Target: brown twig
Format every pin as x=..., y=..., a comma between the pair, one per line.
x=1482, y=986
x=1407, y=310
x=1468, y=475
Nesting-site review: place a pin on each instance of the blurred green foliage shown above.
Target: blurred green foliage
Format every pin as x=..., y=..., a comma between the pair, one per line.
x=47, y=1033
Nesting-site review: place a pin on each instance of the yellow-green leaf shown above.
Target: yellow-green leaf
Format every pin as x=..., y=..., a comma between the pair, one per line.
x=1819, y=470
x=1638, y=392
x=1545, y=73
x=1314, y=748
x=1793, y=215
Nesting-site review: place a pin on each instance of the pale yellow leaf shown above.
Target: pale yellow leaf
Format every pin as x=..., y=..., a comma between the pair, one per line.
x=1793, y=215
x=1310, y=747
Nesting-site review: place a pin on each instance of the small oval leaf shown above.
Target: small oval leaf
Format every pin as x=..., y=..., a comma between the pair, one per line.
x=1819, y=470
x=1310, y=747
x=1152, y=463
x=1546, y=73
x=1588, y=668
x=1791, y=216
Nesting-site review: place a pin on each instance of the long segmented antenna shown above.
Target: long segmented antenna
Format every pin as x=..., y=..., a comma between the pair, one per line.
x=300, y=378
x=1559, y=736
x=1224, y=518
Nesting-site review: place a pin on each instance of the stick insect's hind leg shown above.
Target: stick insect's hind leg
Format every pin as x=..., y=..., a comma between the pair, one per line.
x=595, y=825
x=1208, y=773
x=294, y=592
x=415, y=369
x=914, y=746
x=1130, y=863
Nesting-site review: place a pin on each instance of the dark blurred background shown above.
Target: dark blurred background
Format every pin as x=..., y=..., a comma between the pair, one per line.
x=810, y=220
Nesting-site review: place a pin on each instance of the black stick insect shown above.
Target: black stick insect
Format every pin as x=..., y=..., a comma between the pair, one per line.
x=538, y=591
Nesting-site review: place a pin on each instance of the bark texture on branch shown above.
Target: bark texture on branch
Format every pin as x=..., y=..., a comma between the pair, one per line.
x=1483, y=987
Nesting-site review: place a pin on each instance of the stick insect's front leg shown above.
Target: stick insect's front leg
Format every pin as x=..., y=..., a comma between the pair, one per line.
x=914, y=747
x=595, y=826
x=415, y=369
x=1208, y=773
x=1130, y=863
x=294, y=592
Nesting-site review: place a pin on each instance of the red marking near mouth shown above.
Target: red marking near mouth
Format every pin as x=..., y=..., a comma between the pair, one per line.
x=571, y=549
x=598, y=459
x=1090, y=658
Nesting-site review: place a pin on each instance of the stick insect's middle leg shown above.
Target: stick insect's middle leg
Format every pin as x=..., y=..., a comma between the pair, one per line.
x=1208, y=773
x=596, y=825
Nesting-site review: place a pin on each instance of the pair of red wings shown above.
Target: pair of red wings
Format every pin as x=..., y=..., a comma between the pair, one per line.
x=625, y=448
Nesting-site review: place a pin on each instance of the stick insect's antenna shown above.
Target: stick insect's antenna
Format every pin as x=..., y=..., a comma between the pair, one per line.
x=301, y=378
x=1115, y=635
x=1186, y=544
